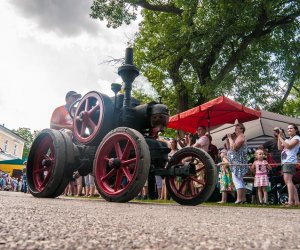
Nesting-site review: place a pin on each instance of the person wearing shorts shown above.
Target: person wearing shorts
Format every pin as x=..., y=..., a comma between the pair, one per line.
x=290, y=148
x=89, y=185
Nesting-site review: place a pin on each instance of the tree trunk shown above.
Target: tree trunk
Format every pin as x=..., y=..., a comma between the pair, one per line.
x=183, y=99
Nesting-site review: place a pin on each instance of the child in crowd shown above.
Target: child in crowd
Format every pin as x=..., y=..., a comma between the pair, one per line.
x=261, y=179
x=2, y=181
x=226, y=184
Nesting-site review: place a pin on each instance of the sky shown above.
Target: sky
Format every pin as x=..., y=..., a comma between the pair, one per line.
x=48, y=48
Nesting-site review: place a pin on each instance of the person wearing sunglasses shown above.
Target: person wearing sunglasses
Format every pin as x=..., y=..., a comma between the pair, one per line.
x=290, y=148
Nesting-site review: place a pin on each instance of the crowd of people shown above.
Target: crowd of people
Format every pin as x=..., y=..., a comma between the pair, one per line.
x=81, y=186
x=9, y=183
x=232, y=161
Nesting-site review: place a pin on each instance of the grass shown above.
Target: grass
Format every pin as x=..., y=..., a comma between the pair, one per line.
x=216, y=204
x=203, y=204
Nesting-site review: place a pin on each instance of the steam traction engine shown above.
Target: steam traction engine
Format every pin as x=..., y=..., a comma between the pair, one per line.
x=116, y=140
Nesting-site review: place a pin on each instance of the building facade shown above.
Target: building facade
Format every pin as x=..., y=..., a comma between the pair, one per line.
x=11, y=144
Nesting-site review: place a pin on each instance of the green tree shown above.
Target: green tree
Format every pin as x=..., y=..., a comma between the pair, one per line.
x=194, y=50
x=143, y=91
x=26, y=134
x=292, y=105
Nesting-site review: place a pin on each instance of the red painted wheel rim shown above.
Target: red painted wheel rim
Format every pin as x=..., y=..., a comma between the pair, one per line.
x=111, y=179
x=189, y=187
x=88, y=117
x=43, y=164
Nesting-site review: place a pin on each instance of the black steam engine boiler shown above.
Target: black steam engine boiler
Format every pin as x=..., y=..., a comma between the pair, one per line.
x=116, y=139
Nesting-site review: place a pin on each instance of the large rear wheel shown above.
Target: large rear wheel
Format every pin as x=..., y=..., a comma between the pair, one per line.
x=197, y=186
x=121, y=165
x=92, y=110
x=48, y=166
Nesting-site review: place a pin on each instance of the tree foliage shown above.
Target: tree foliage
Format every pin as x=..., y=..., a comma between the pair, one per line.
x=26, y=134
x=194, y=50
x=292, y=105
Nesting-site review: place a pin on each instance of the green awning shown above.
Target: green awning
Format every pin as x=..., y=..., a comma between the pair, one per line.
x=13, y=162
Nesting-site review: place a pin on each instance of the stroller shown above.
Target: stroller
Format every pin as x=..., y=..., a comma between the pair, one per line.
x=279, y=193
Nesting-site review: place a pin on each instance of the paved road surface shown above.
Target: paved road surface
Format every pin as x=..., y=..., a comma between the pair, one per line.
x=63, y=223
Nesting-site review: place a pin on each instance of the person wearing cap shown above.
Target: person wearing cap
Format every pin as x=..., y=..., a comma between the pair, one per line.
x=61, y=118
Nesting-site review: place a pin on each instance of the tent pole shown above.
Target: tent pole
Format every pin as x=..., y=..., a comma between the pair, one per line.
x=208, y=123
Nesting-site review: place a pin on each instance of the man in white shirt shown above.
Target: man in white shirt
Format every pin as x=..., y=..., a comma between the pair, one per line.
x=203, y=141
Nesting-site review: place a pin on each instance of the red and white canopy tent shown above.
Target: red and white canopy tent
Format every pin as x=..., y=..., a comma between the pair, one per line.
x=216, y=112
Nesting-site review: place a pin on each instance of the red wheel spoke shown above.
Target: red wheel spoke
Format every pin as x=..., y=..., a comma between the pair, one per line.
x=83, y=128
x=110, y=174
x=198, y=181
x=126, y=163
x=192, y=188
x=127, y=174
x=47, y=157
x=118, y=149
x=43, y=168
x=86, y=108
x=93, y=110
x=45, y=180
x=91, y=124
x=182, y=185
x=126, y=150
x=36, y=171
x=200, y=169
x=118, y=180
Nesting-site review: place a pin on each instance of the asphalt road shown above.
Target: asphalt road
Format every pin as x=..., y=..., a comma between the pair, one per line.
x=63, y=223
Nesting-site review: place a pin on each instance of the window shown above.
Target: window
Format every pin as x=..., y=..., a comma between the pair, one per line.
x=5, y=145
x=15, y=149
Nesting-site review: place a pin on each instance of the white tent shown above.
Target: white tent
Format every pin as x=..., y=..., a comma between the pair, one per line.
x=257, y=131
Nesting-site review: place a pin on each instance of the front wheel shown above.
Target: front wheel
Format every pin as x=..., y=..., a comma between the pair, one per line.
x=272, y=199
x=48, y=166
x=196, y=187
x=283, y=198
x=121, y=165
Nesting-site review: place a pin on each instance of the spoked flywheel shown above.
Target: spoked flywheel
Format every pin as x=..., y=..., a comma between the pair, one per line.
x=121, y=165
x=48, y=166
x=93, y=118
x=196, y=186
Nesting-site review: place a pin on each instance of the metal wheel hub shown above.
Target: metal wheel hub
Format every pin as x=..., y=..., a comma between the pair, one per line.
x=115, y=163
x=84, y=116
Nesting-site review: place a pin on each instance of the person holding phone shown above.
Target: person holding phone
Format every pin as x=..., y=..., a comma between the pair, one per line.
x=290, y=148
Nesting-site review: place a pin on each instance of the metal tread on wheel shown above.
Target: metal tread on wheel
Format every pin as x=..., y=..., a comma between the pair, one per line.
x=196, y=185
x=49, y=165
